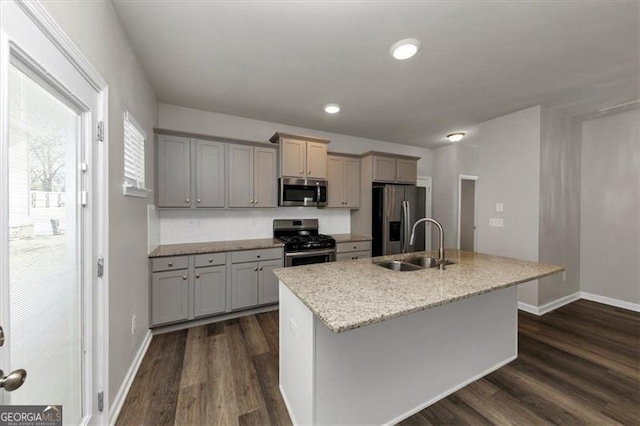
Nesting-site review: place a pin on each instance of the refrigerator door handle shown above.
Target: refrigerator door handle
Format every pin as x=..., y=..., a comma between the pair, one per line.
x=403, y=224
x=407, y=238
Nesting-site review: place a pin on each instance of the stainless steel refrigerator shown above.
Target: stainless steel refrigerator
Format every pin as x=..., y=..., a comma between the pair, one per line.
x=395, y=209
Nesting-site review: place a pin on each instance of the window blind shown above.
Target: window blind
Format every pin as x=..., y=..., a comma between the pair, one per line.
x=134, y=138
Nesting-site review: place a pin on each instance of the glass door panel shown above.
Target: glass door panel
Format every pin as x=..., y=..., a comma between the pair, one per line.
x=45, y=274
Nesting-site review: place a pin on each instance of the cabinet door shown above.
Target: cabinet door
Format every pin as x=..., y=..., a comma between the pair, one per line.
x=174, y=171
x=292, y=158
x=209, y=174
x=169, y=296
x=209, y=291
x=240, y=175
x=265, y=181
x=336, y=182
x=352, y=182
x=384, y=169
x=316, y=160
x=407, y=171
x=268, y=282
x=244, y=285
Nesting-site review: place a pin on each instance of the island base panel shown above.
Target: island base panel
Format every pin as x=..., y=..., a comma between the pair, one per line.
x=385, y=372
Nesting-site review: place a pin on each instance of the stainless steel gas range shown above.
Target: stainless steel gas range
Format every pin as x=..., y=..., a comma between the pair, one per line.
x=303, y=245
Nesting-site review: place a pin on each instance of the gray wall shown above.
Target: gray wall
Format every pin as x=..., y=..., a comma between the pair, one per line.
x=610, y=222
x=559, y=203
x=96, y=29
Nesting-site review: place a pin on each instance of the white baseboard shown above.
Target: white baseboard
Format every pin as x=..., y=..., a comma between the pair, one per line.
x=610, y=301
x=286, y=404
x=121, y=395
x=449, y=392
x=555, y=304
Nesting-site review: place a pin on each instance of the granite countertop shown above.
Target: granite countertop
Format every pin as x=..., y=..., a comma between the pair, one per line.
x=355, y=293
x=350, y=238
x=214, y=247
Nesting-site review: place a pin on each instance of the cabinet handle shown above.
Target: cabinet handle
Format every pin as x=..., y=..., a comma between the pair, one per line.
x=301, y=171
x=255, y=201
x=184, y=277
x=261, y=269
x=355, y=247
x=170, y=264
x=186, y=200
x=197, y=276
x=251, y=201
x=198, y=200
x=309, y=172
x=210, y=260
x=255, y=270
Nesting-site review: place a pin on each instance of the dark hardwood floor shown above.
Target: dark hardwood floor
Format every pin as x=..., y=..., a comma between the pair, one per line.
x=578, y=365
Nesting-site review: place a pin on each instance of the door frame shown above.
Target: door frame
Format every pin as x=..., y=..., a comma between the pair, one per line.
x=462, y=177
x=95, y=301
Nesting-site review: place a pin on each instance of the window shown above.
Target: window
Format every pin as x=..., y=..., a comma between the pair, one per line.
x=134, y=139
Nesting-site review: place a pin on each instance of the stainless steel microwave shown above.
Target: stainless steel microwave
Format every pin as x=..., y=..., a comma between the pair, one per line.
x=301, y=192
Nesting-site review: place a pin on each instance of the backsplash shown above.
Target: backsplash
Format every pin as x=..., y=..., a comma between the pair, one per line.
x=187, y=226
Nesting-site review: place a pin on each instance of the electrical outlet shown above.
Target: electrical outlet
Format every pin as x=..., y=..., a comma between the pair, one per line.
x=133, y=324
x=496, y=222
x=499, y=207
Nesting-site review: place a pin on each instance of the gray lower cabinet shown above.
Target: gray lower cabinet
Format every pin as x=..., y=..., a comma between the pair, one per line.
x=353, y=250
x=268, y=282
x=209, y=291
x=244, y=285
x=169, y=296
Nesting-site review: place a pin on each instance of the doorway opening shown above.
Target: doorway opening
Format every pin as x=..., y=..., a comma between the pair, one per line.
x=467, y=212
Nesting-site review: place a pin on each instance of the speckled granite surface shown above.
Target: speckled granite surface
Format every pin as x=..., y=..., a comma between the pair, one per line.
x=352, y=294
x=349, y=238
x=214, y=247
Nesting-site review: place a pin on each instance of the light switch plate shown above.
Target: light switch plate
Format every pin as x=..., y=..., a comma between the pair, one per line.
x=499, y=207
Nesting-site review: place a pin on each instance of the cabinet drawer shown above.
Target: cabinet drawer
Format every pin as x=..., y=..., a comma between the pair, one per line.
x=354, y=246
x=212, y=259
x=169, y=263
x=256, y=255
x=353, y=255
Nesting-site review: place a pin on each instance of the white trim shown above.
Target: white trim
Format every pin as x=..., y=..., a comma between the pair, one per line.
x=610, y=301
x=462, y=177
x=133, y=191
x=548, y=307
x=54, y=32
x=449, y=392
x=122, y=393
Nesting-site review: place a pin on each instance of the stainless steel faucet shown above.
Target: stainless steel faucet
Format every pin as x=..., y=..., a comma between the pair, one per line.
x=441, y=258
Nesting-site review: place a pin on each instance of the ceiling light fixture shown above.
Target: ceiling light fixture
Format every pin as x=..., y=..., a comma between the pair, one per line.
x=405, y=49
x=332, y=108
x=455, y=137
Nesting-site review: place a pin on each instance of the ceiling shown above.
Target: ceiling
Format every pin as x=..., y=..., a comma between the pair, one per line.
x=282, y=61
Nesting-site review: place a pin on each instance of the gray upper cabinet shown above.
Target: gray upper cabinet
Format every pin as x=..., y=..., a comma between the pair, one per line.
x=395, y=169
x=316, y=160
x=252, y=176
x=209, y=173
x=265, y=176
x=241, y=176
x=343, y=181
x=292, y=155
x=209, y=291
x=174, y=171
x=302, y=156
x=407, y=171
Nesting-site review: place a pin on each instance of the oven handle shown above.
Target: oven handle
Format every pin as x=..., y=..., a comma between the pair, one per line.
x=310, y=253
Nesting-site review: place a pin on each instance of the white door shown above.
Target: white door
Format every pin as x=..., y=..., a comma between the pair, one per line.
x=49, y=210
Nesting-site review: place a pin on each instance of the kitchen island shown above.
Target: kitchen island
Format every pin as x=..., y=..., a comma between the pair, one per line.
x=363, y=344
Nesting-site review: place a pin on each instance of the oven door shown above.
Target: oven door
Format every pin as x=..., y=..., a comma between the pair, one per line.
x=298, y=192
x=299, y=258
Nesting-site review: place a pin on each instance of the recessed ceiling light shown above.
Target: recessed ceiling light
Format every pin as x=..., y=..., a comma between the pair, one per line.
x=332, y=108
x=455, y=137
x=405, y=49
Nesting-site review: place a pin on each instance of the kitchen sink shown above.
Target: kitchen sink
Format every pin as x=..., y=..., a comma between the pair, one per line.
x=426, y=262
x=396, y=265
